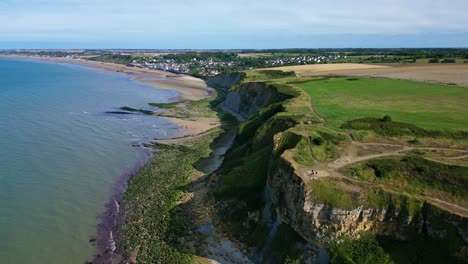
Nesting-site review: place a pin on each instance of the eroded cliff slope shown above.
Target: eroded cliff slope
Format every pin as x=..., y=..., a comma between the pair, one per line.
x=270, y=175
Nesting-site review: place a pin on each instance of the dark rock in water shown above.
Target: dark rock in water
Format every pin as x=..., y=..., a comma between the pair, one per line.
x=110, y=220
x=92, y=240
x=143, y=111
x=119, y=113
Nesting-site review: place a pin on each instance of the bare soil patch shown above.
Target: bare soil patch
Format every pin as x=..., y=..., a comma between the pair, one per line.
x=324, y=69
x=448, y=74
x=356, y=152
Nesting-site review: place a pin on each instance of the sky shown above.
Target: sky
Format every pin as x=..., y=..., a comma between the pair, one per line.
x=233, y=24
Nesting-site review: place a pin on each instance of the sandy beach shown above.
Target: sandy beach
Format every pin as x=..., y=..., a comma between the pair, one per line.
x=189, y=88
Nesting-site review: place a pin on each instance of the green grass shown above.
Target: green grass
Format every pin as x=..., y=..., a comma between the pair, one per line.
x=120, y=59
x=365, y=250
x=201, y=108
x=328, y=192
x=188, y=109
x=332, y=191
x=396, y=129
x=415, y=175
x=429, y=106
x=271, y=74
x=164, y=105
x=319, y=145
x=370, y=249
x=154, y=225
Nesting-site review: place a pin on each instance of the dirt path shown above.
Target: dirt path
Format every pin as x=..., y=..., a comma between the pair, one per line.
x=455, y=207
x=353, y=153
x=356, y=152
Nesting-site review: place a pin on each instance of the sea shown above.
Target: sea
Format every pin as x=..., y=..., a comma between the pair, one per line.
x=62, y=152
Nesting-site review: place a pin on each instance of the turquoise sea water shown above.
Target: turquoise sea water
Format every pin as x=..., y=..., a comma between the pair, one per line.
x=60, y=154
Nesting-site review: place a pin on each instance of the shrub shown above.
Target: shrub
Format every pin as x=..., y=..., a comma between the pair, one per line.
x=448, y=61
x=394, y=129
x=319, y=141
x=414, y=141
x=363, y=250
x=417, y=174
x=387, y=118
x=274, y=74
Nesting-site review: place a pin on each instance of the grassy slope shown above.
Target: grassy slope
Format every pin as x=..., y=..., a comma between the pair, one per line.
x=243, y=174
x=415, y=175
x=153, y=226
x=426, y=105
x=431, y=107
x=155, y=229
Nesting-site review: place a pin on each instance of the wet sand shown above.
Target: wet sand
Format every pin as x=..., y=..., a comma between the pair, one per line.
x=189, y=88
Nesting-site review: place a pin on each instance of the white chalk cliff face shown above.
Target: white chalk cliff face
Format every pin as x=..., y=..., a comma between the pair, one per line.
x=248, y=98
x=321, y=223
x=225, y=80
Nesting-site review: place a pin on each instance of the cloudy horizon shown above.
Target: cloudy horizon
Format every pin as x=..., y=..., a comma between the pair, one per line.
x=237, y=24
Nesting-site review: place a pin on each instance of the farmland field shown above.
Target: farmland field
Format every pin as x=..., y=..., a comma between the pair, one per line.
x=429, y=106
x=440, y=73
x=313, y=69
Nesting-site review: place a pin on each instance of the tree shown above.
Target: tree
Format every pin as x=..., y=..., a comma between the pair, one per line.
x=387, y=118
x=319, y=141
x=448, y=61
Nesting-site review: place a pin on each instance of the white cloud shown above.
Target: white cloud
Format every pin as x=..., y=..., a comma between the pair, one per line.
x=102, y=19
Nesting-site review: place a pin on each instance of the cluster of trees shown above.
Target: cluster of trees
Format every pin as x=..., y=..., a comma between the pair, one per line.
x=436, y=60
x=436, y=55
x=413, y=52
x=120, y=59
x=189, y=56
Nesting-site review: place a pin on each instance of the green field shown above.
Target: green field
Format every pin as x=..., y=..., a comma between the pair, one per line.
x=428, y=106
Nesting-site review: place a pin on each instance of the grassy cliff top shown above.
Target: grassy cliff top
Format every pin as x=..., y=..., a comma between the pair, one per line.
x=429, y=106
x=331, y=112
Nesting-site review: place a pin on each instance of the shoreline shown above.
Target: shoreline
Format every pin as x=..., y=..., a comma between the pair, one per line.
x=108, y=228
x=188, y=87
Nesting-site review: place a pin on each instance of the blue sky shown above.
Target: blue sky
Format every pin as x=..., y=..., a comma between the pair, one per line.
x=232, y=24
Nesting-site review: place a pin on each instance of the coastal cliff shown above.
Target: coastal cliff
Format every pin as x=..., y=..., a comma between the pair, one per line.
x=262, y=197
x=258, y=182
x=225, y=80
x=248, y=98
x=318, y=222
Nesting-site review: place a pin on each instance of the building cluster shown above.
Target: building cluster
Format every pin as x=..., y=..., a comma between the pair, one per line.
x=212, y=67
x=201, y=67
x=302, y=60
